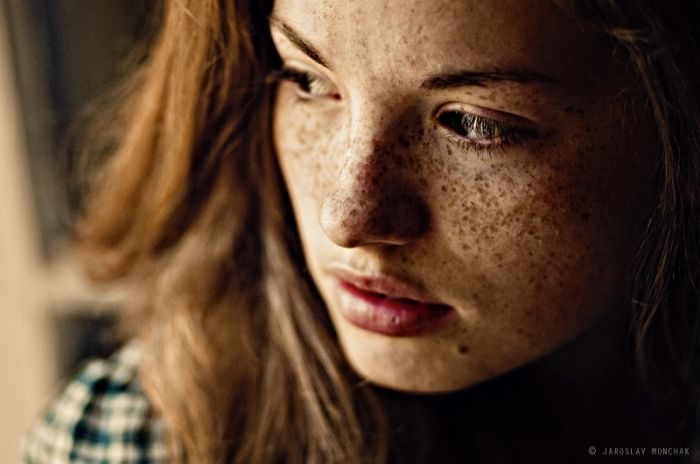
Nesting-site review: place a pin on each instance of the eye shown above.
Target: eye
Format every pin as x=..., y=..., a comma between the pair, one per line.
x=308, y=86
x=478, y=132
x=472, y=127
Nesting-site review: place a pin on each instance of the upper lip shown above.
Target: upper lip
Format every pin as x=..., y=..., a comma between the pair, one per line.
x=384, y=284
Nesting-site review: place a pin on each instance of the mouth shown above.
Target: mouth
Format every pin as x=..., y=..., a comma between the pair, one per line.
x=388, y=306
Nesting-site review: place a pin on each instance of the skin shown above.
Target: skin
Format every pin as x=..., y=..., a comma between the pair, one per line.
x=530, y=240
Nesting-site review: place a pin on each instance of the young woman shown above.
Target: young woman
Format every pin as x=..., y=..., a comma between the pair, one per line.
x=399, y=231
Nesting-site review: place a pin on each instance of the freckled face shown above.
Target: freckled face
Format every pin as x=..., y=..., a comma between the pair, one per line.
x=476, y=155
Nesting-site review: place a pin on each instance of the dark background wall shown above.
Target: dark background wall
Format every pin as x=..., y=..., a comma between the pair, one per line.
x=66, y=53
x=56, y=56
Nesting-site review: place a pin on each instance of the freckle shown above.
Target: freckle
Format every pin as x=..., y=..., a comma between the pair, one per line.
x=444, y=188
x=463, y=349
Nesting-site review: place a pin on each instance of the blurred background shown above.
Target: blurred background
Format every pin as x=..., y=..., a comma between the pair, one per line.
x=56, y=57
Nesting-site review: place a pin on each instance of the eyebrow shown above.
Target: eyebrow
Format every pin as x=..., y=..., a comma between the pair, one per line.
x=301, y=43
x=464, y=78
x=482, y=78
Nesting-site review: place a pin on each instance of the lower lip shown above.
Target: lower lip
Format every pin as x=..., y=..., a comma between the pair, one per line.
x=390, y=316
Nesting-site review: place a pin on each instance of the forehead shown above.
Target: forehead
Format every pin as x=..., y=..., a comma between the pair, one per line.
x=413, y=36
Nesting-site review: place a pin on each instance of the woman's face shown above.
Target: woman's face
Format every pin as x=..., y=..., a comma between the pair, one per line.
x=468, y=179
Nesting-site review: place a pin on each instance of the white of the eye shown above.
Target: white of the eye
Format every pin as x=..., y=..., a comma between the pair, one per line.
x=320, y=87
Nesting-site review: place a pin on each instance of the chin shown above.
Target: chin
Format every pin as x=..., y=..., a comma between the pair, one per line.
x=422, y=388
x=417, y=384
x=409, y=372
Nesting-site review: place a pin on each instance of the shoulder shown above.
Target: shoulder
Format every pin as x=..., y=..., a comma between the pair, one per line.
x=101, y=416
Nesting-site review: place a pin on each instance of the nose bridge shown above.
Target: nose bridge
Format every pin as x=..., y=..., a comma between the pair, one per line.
x=369, y=129
x=372, y=149
x=371, y=201
x=366, y=161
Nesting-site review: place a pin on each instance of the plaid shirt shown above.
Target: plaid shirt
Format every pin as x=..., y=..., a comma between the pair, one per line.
x=101, y=417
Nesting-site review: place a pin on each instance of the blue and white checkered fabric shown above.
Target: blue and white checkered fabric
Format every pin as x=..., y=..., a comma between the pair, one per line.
x=101, y=417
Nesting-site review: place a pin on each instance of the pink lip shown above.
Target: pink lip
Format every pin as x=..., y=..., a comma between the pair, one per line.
x=388, y=306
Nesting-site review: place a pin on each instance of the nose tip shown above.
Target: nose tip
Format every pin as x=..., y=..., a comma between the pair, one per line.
x=356, y=215
x=374, y=200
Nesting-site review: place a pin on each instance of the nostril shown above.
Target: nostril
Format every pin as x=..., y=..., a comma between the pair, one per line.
x=372, y=205
x=378, y=218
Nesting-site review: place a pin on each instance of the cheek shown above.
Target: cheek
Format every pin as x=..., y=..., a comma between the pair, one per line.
x=303, y=138
x=546, y=244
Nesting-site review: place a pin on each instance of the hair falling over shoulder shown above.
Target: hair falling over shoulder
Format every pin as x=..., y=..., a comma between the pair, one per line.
x=239, y=357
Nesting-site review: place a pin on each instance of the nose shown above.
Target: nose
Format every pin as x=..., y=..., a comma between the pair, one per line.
x=372, y=202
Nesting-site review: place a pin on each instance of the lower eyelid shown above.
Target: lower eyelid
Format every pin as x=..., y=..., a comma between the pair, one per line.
x=456, y=138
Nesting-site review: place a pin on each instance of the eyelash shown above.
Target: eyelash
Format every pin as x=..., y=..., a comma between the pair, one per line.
x=305, y=83
x=496, y=134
